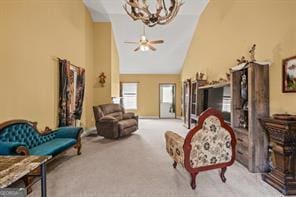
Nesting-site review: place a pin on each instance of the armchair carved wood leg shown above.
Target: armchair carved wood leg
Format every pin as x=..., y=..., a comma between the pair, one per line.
x=193, y=182
x=175, y=164
x=27, y=181
x=222, y=174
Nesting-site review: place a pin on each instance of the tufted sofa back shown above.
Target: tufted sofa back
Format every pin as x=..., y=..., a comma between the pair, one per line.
x=24, y=133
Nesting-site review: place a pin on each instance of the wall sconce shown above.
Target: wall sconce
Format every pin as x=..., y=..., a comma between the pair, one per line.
x=102, y=78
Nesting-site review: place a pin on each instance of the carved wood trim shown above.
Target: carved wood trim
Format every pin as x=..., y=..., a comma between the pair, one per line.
x=22, y=150
x=46, y=131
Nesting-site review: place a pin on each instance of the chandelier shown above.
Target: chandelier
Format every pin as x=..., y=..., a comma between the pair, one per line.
x=139, y=10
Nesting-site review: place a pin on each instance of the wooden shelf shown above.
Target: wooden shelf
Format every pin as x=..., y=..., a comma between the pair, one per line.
x=241, y=130
x=194, y=117
x=241, y=109
x=217, y=85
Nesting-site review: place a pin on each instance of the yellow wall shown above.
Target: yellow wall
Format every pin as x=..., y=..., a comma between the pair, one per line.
x=114, y=69
x=102, y=51
x=31, y=34
x=228, y=28
x=148, y=91
x=107, y=61
x=90, y=78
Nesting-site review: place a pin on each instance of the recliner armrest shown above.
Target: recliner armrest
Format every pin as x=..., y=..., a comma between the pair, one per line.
x=68, y=132
x=9, y=148
x=128, y=115
x=108, y=119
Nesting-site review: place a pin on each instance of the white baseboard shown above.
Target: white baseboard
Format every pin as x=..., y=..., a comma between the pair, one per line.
x=149, y=117
x=88, y=131
x=157, y=117
x=180, y=118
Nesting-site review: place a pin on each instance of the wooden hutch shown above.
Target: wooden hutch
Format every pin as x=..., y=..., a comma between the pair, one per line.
x=250, y=101
x=186, y=102
x=196, y=101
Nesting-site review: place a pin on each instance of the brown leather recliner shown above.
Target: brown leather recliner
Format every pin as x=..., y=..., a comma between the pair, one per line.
x=112, y=121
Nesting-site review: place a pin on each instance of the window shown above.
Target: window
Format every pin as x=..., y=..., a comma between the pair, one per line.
x=167, y=95
x=226, y=99
x=129, y=95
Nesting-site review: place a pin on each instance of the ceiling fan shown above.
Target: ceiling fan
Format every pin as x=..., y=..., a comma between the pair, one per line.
x=144, y=44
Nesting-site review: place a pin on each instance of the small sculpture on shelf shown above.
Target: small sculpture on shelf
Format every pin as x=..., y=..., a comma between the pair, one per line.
x=222, y=80
x=242, y=60
x=252, y=53
x=243, y=120
x=199, y=76
x=213, y=82
x=244, y=88
x=245, y=106
x=228, y=76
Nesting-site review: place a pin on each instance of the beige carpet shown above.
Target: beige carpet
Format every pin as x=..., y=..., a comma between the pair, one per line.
x=139, y=166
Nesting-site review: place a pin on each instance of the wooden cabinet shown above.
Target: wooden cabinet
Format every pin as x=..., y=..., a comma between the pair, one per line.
x=282, y=140
x=250, y=101
x=197, y=99
x=194, y=100
x=187, y=102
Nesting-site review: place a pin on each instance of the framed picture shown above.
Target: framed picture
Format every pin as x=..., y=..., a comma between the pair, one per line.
x=289, y=74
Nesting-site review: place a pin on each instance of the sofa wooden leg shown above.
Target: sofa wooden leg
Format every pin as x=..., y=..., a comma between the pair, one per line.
x=222, y=174
x=175, y=164
x=193, y=181
x=78, y=146
x=79, y=150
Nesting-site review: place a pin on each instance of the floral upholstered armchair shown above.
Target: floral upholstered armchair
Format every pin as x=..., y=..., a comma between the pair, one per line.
x=209, y=145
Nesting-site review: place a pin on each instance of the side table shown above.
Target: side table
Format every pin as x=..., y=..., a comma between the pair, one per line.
x=282, y=140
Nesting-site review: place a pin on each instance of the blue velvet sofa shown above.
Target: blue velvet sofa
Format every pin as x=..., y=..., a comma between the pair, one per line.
x=21, y=137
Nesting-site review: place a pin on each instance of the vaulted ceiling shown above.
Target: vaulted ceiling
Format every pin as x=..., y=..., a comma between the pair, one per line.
x=177, y=35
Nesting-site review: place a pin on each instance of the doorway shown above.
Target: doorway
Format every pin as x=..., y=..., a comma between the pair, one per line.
x=167, y=100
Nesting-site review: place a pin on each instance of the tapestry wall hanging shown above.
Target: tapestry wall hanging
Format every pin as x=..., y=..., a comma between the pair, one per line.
x=71, y=93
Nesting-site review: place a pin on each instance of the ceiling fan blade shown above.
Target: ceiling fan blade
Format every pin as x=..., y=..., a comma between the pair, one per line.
x=136, y=49
x=151, y=47
x=156, y=41
x=131, y=42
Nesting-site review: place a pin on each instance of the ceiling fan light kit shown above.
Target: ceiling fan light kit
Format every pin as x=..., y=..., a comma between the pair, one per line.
x=144, y=44
x=144, y=48
x=139, y=10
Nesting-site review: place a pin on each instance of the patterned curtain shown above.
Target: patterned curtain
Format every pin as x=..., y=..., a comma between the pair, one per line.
x=64, y=94
x=80, y=86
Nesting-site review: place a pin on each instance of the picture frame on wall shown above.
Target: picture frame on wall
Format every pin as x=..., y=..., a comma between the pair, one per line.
x=289, y=75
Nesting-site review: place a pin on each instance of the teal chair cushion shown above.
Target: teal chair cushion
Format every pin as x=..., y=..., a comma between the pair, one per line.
x=53, y=147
